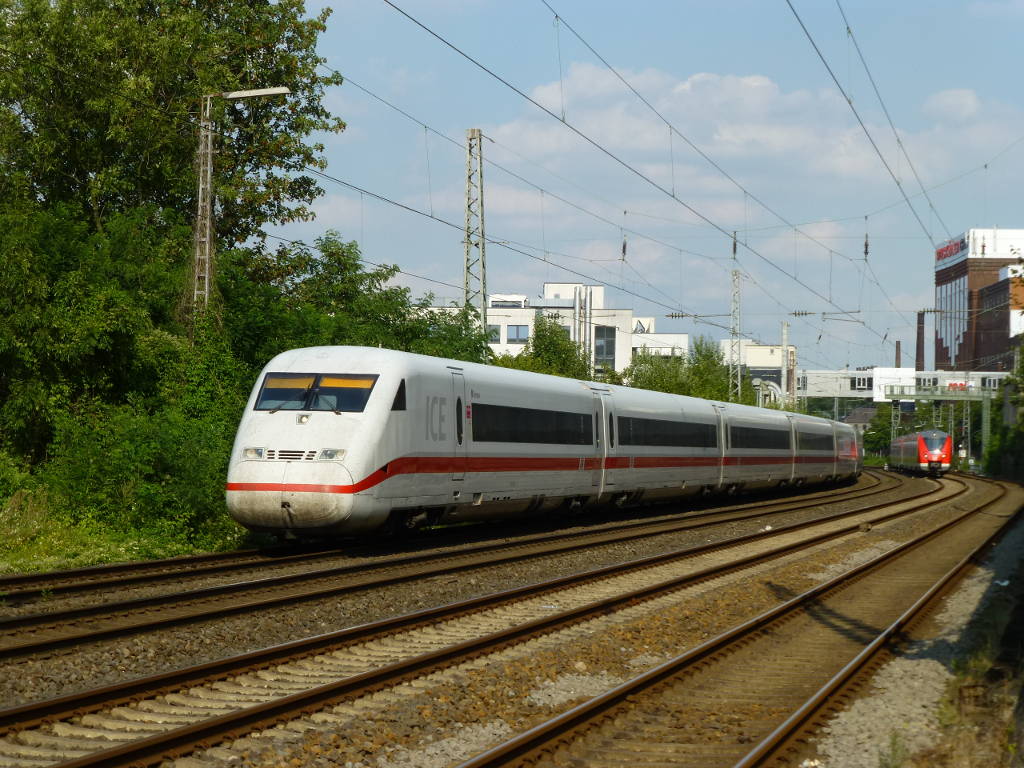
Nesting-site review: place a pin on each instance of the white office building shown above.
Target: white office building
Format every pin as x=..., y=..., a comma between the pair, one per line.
x=611, y=335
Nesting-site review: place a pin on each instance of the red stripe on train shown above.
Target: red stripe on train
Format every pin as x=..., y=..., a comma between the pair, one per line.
x=414, y=465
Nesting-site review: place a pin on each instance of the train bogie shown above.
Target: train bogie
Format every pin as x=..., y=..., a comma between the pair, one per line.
x=353, y=440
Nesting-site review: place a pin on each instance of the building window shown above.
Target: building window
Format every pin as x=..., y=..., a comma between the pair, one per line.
x=927, y=381
x=518, y=334
x=493, y=334
x=861, y=382
x=989, y=382
x=566, y=328
x=506, y=304
x=604, y=346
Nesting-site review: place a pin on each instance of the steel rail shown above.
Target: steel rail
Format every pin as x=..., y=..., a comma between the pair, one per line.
x=359, y=580
x=786, y=732
x=54, y=583
x=234, y=724
x=577, y=720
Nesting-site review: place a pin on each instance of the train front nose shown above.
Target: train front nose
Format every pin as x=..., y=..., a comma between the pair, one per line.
x=295, y=495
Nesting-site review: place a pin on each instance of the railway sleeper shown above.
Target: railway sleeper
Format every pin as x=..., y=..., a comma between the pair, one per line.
x=19, y=752
x=134, y=713
x=72, y=730
x=108, y=722
x=61, y=747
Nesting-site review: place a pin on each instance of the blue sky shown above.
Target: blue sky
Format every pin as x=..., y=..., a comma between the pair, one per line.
x=740, y=80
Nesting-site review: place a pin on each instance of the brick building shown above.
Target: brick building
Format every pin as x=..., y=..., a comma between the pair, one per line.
x=972, y=327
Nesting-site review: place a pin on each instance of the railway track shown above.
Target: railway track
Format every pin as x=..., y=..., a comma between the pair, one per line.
x=45, y=632
x=33, y=587
x=146, y=721
x=745, y=697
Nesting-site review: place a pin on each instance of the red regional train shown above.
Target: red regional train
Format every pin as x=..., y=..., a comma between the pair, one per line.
x=929, y=451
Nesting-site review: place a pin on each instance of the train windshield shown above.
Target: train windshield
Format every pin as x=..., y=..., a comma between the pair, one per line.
x=934, y=442
x=336, y=392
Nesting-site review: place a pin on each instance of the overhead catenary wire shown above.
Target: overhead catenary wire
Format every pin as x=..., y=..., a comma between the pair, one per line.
x=545, y=249
x=490, y=239
x=888, y=117
x=398, y=270
x=867, y=272
x=611, y=155
x=189, y=119
x=864, y=128
x=673, y=130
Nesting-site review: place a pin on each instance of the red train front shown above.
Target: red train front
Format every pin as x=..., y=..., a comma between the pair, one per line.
x=929, y=451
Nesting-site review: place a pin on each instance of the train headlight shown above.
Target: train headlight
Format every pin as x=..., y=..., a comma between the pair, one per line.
x=252, y=453
x=332, y=454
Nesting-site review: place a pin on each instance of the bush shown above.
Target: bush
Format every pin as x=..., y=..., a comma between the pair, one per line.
x=13, y=477
x=158, y=475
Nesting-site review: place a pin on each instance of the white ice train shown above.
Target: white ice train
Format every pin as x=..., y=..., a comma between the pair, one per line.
x=339, y=440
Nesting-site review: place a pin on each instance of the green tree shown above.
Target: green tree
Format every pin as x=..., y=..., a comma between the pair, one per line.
x=304, y=296
x=124, y=415
x=701, y=373
x=99, y=98
x=97, y=184
x=661, y=373
x=549, y=350
x=877, y=435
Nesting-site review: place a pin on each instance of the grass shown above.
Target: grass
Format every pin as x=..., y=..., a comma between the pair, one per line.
x=896, y=754
x=976, y=714
x=38, y=539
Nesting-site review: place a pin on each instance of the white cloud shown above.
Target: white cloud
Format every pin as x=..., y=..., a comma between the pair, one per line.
x=997, y=8
x=954, y=105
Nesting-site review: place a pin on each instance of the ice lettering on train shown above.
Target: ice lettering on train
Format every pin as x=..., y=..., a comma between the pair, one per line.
x=437, y=408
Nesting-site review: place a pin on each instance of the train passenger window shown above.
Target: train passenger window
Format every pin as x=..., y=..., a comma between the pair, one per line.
x=663, y=432
x=399, y=403
x=811, y=441
x=315, y=392
x=510, y=424
x=597, y=431
x=611, y=431
x=458, y=419
x=758, y=437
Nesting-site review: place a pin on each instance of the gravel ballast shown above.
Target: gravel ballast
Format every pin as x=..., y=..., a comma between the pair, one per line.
x=110, y=661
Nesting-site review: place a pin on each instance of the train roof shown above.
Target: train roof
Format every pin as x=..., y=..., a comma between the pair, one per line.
x=309, y=359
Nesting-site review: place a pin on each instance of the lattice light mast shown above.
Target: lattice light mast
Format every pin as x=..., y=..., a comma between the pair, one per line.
x=204, y=209
x=204, y=234
x=475, y=269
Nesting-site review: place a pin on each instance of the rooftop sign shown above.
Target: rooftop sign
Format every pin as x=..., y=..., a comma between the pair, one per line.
x=952, y=248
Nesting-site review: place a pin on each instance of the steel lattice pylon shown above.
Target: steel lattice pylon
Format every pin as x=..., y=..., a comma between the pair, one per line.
x=475, y=270
x=735, y=366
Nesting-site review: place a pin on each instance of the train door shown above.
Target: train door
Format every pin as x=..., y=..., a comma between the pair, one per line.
x=600, y=447
x=459, y=426
x=793, y=448
x=722, y=424
x=610, y=442
x=835, y=450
